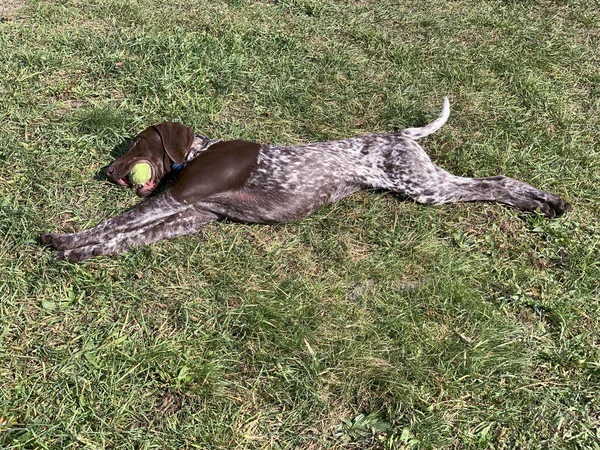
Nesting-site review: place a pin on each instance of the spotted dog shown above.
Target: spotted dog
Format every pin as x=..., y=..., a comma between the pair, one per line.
x=262, y=183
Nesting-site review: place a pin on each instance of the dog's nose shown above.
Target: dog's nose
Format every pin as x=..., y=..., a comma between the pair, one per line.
x=110, y=170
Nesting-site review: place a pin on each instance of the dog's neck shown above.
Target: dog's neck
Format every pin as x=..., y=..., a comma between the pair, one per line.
x=199, y=144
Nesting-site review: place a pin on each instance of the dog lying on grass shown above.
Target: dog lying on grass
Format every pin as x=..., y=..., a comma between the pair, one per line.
x=262, y=183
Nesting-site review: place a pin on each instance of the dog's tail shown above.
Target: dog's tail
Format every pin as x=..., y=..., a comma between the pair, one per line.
x=418, y=133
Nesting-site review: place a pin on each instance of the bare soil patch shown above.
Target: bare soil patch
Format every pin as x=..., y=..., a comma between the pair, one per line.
x=9, y=7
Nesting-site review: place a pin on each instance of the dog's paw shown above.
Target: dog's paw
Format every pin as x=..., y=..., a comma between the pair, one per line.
x=55, y=241
x=72, y=256
x=46, y=239
x=79, y=254
x=559, y=207
x=531, y=199
x=553, y=206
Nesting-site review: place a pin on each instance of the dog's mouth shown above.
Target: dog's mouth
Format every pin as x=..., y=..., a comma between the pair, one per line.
x=144, y=190
x=141, y=189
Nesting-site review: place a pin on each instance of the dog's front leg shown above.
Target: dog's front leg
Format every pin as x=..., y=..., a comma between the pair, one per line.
x=179, y=224
x=152, y=210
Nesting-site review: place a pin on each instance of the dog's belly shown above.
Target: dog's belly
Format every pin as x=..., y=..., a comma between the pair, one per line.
x=275, y=206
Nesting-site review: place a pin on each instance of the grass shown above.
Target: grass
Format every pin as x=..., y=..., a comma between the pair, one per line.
x=375, y=323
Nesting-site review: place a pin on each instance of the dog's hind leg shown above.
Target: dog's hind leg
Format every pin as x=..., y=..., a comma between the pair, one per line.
x=409, y=171
x=179, y=224
x=440, y=187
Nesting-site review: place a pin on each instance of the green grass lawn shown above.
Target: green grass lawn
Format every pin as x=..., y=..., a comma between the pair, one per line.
x=375, y=323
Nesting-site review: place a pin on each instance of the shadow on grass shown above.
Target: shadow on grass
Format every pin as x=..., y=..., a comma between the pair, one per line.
x=117, y=151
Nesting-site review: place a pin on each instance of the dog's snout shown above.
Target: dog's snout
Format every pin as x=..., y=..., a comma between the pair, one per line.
x=110, y=170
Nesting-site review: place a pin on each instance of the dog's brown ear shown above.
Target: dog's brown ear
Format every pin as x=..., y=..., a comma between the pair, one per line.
x=176, y=139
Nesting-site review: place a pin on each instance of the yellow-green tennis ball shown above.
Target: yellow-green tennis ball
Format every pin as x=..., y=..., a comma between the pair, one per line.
x=140, y=174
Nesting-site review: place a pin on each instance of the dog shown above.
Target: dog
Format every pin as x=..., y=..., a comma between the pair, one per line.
x=262, y=183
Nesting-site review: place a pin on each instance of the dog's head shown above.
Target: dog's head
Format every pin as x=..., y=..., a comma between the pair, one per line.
x=160, y=146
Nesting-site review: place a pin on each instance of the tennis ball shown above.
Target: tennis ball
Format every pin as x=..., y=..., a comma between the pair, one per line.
x=140, y=174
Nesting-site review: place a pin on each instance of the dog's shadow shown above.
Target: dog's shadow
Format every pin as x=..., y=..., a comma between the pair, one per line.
x=118, y=150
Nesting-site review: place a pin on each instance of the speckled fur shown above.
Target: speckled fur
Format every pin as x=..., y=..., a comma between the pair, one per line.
x=288, y=183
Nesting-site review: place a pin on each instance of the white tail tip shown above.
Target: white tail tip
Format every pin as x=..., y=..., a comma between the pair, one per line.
x=421, y=132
